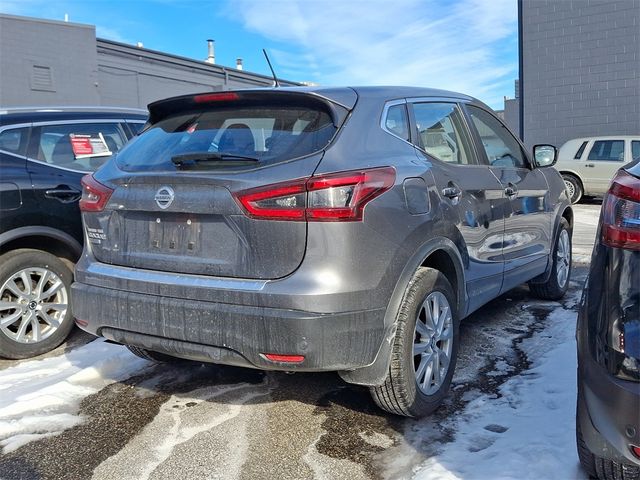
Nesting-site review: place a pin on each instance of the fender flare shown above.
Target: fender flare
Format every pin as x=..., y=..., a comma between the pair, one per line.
x=376, y=372
x=41, y=231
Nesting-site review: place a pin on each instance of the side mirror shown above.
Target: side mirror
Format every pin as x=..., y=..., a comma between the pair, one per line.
x=544, y=155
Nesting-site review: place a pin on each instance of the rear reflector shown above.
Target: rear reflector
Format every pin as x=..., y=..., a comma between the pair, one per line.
x=94, y=195
x=621, y=213
x=81, y=323
x=215, y=97
x=334, y=197
x=274, y=357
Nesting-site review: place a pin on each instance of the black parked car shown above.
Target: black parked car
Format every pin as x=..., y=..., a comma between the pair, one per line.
x=608, y=335
x=343, y=229
x=43, y=155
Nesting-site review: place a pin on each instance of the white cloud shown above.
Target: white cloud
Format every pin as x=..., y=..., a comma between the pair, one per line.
x=468, y=46
x=111, y=34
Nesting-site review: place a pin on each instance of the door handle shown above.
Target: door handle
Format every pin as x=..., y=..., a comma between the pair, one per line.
x=451, y=192
x=64, y=195
x=590, y=165
x=511, y=191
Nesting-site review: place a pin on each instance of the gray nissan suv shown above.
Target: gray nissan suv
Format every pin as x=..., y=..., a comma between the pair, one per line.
x=319, y=229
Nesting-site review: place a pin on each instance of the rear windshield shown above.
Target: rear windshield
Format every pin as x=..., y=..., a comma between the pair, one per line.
x=257, y=135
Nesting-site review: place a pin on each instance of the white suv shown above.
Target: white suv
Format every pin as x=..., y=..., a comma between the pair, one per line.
x=588, y=164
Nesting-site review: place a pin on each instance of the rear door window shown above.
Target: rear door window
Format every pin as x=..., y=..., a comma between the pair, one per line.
x=78, y=146
x=258, y=135
x=440, y=132
x=607, y=150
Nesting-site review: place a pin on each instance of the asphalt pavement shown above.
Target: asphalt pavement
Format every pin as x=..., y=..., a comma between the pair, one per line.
x=204, y=421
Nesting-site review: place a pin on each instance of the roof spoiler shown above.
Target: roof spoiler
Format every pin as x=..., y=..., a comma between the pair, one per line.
x=162, y=109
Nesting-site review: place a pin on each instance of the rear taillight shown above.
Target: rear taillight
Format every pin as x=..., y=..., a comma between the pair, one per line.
x=326, y=198
x=94, y=195
x=621, y=213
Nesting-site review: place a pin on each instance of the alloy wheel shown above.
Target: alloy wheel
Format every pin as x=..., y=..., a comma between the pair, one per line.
x=563, y=258
x=433, y=343
x=570, y=188
x=33, y=305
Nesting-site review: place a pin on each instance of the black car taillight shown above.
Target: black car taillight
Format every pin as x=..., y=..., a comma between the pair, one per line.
x=336, y=197
x=621, y=213
x=618, y=348
x=94, y=195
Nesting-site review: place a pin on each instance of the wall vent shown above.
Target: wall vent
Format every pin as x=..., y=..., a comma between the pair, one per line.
x=42, y=78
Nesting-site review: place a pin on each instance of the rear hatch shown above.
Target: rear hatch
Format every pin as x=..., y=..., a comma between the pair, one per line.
x=172, y=192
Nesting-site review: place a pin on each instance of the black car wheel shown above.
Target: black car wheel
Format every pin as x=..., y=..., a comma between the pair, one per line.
x=574, y=187
x=596, y=466
x=35, y=315
x=424, y=350
x=558, y=283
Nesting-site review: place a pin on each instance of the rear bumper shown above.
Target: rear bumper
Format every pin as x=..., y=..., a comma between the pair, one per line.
x=234, y=334
x=609, y=415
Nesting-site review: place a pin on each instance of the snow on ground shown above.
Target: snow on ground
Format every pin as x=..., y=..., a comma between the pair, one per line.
x=528, y=432
x=42, y=397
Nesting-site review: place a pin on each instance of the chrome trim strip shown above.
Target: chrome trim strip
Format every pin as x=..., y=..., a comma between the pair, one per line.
x=175, y=279
x=21, y=157
x=116, y=121
x=15, y=125
x=29, y=159
x=72, y=109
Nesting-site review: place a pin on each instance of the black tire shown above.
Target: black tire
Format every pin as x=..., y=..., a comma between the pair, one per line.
x=11, y=264
x=574, y=187
x=554, y=288
x=400, y=393
x=599, y=467
x=152, y=356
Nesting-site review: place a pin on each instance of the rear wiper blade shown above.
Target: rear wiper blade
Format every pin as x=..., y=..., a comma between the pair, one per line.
x=187, y=159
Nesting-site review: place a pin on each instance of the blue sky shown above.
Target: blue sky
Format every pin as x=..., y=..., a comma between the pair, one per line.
x=469, y=46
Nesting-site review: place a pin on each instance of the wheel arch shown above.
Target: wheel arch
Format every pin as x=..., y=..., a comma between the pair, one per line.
x=574, y=174
x=567, y=214
x=438, y=253
x=47, y=239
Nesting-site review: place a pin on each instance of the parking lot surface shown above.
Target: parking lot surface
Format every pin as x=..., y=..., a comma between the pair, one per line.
x=92, y=410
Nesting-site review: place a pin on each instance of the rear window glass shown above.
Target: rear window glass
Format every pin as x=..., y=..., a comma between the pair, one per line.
x=635, y=149
x=259, y=134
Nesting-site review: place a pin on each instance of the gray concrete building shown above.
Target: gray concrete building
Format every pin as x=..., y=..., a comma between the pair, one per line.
x=44, y=62
x=579, y=71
